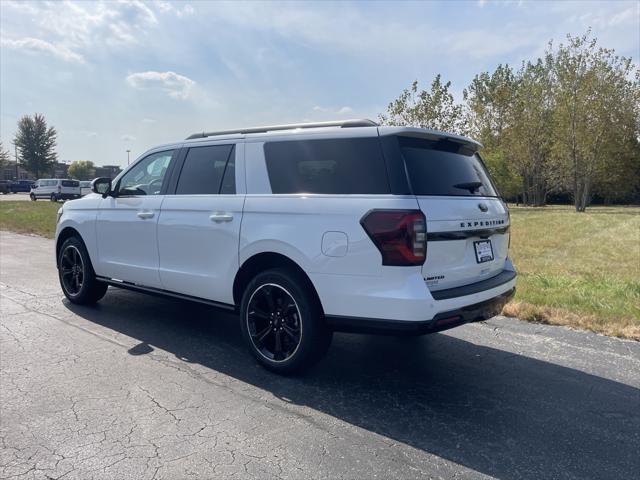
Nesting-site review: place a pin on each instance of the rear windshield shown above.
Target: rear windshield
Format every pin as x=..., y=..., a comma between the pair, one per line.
x=70, y=183
x=444, y=167
x=330, y=166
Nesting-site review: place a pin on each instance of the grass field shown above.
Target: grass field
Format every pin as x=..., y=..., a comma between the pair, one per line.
x=576, y=269
x=29, y=217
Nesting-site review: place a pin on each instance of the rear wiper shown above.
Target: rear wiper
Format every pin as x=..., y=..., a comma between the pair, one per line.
x=471, y=186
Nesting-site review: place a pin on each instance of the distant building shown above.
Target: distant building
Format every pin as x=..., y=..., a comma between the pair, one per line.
x=110, y=171
x=59, y=170
x=9, y=172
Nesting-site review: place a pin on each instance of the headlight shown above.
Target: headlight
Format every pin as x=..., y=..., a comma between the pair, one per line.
x=59, y=215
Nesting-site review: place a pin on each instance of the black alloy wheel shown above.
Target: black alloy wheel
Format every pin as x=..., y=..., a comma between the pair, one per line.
x=72, y=270
x=274, y=322
x=77, y=277
x=282, y=321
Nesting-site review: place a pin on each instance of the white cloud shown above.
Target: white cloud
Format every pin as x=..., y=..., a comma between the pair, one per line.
x=175, y=85
x=127, y=138
x=336, y=111
x=35, y=45
x=168, y=7
x=80, y=26
x=148, y=121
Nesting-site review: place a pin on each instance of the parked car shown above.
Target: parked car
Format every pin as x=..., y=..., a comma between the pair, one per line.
x=85, y=188
x=55, y=189
x=304, y=230
x=5, y=186
x=21, y=186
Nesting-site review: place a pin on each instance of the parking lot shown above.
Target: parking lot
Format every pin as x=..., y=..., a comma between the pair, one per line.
x=143, y=387
x=9, y=197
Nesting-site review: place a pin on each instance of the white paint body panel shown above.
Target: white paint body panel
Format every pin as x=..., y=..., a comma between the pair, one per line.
x=455, y=259
x=199, y=256
x=127, y=244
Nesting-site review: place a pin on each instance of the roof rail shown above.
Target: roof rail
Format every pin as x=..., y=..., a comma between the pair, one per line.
x=340, y=123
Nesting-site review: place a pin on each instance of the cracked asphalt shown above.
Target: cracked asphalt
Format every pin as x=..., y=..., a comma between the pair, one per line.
x=142, y=387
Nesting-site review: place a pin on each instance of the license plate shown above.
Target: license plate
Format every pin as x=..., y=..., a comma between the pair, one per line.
x=484, y=251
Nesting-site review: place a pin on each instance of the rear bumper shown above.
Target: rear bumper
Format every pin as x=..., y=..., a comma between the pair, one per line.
x=442, y=321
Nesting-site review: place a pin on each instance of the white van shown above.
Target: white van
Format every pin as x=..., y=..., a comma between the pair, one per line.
x=55, y=189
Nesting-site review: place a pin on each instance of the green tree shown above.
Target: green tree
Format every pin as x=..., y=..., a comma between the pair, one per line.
x=489, y=103
x=434, y=109
x=529, y=137
x=4, y=157
x=82, y=170
x=596, y=116
x=36, y=144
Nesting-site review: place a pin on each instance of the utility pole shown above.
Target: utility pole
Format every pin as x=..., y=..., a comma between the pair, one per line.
x=16, y=154
x=128, y=156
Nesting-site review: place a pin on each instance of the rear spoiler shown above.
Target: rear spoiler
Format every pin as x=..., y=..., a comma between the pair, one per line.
x=429, y=134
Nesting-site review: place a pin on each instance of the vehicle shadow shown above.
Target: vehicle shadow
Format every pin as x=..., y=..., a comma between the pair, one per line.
x=496, y=412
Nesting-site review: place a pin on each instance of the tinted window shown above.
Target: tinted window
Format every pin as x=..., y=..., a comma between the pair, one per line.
x=228, y=186
x=70, y=183
x=444, y=168
x=203, y=170
x=147, y=176
x=335, y=166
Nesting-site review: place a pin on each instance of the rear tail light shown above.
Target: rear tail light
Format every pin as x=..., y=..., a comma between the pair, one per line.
x=400, y=235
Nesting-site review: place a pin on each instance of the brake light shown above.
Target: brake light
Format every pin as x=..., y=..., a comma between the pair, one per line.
x=399, y=235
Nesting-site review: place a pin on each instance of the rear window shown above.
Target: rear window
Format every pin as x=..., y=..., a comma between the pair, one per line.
x=70, y=183
x=332, y=166
x=444, y=167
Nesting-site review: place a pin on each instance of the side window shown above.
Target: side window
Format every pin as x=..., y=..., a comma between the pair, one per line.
x=204, y=169
x=228, y=186
x=147, y=176
x=331, y=166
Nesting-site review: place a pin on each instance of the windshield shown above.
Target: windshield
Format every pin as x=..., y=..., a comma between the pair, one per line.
x=444, y=167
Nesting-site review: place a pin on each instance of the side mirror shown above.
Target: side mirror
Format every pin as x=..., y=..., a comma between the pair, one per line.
x=102, y=186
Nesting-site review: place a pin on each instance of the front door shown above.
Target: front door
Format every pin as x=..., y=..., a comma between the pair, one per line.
x=199, y=226
x=127, y=223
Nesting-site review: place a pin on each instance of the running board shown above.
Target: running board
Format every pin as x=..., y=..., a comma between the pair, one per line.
x=163, y=293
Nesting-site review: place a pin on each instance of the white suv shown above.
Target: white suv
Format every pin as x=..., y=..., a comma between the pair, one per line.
x=302, y=229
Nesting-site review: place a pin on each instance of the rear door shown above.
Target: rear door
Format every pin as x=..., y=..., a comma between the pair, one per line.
x=467, y=223
x=127, y=223
x=199, y=226
x=70, y=187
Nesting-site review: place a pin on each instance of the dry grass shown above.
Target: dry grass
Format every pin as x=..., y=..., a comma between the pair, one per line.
x=578, y=269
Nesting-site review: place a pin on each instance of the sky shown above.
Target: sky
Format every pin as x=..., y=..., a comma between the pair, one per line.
x=116, y=76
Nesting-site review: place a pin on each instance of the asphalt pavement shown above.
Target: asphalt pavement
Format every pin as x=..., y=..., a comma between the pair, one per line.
x=142, y=387
x=12, y=197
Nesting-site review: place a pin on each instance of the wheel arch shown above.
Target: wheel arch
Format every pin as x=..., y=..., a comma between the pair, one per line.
x=65, y=233
x=265, y=261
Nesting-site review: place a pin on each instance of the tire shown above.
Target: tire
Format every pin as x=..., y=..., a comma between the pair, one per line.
x=304, y=336
x=76, y=275
x=54, y=198
x=33, y=197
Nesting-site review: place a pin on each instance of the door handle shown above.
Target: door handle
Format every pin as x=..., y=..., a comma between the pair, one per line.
x=220, y=217
x=145, y=215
